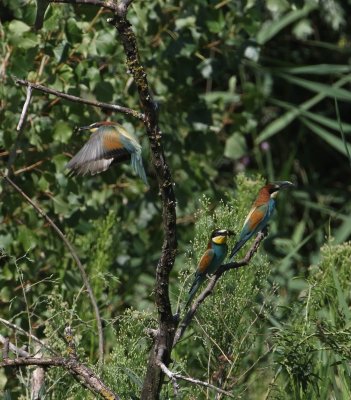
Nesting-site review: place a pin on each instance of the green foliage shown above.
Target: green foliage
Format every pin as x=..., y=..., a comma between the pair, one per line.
x=313, y=347
x=241, y=87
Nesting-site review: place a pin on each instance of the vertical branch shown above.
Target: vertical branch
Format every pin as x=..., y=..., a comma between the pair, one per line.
x=160, y=353
x=38, y=379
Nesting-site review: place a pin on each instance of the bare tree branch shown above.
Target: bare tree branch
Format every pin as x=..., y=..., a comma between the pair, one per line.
x=15, y=350
x=173, y=376
x=205, y=384
x=212, y=283
x=21, y=122
x=109, y=5
x=5, y=352
x=25, y=109
x=37, y=381
x=75, y=99
x=76, y=259
x=25, y=333
x=160, y=353
x=79, y=371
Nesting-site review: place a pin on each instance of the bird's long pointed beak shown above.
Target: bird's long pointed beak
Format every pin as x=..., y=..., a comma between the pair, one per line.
x=284, y=184
x=83, y=128
x=230, y=233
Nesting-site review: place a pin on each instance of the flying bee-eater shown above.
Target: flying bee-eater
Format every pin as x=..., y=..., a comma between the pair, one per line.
x=42, y=6
x=261, y=212
x=210, y=261
x=108, y=142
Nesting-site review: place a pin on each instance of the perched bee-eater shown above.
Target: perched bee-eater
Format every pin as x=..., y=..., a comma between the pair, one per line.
x=210, y=261
x=109, y=142
x=42, y=5
x=261, y=211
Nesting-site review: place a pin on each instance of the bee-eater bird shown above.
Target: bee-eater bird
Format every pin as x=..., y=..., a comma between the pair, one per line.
x=261, y=211
x=211, y=259
x=109, y=142
x=42, y=5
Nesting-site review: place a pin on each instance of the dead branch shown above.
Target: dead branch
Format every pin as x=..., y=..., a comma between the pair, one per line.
x=23, y=116
x=21, y=122
x=79, y=371
x=25, y=333
x=9, y=346
x=109, y=5
x=76, y=259
x=75, y=99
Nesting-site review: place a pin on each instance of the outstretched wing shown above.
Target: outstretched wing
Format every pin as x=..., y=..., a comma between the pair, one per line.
x=97, y=154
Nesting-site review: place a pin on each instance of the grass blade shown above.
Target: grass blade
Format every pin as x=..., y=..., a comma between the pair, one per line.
x=271, y=28
x=280, y=123
x=335, y=142
x=342, y=130
x=330, y=91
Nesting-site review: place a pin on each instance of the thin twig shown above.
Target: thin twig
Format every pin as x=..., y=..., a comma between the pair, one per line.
x=109, y=5
x=212, y=283
x=24, y=112
x=24, y=109
x=201, y=383
x=171, y=377
x=29, y=167
x=76, y=259
x=15, y=350
x=25, y=333
x=75, y=99
x=79, y=371
x=21, y=122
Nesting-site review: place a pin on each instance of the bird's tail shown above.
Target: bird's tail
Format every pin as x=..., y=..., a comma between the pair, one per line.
x=194, y=287
x=137, y=164
x=236, y=248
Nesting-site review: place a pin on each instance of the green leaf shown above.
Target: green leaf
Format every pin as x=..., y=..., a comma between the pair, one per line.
x=322, y=88
x=235, y=146
x=331, y=139
x=62, y=132
x=328, y=122
x=317, y=69
x=18, y=27
x=280, y=123
x=270, y=29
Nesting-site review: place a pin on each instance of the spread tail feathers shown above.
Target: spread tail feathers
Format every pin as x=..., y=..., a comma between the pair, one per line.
x=137, y=164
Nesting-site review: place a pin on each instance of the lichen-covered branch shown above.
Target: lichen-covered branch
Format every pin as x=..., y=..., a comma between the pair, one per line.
x=160, y=352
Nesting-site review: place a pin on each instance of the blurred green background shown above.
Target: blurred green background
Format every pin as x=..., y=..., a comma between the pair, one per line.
x=260, y=88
